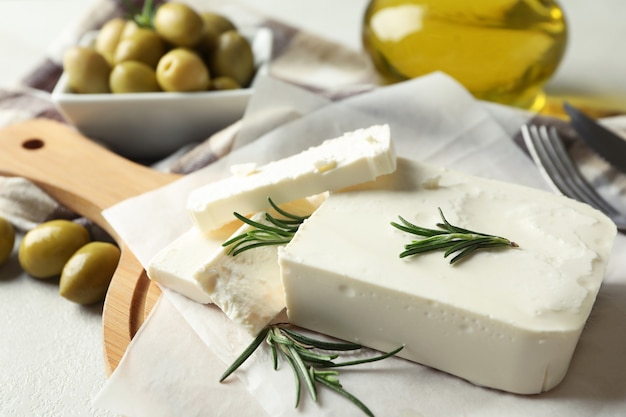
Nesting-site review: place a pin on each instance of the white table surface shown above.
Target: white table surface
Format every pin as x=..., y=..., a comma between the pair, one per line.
x=51, y=350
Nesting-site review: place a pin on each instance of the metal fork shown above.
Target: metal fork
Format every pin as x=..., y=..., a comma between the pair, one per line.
x=556, y=166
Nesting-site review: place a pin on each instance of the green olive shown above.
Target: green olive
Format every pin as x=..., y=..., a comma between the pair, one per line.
x=7, y=239
x=182, y=70
x=214, y=25
x=87, y=71
x=178, y=24
x=45, y=249
x=133, y=77
x=143, y=45
x=130, y=28
x=109, y=37
x=87, y=274
x=217, y=21
x=224, y=83
x=233, y=57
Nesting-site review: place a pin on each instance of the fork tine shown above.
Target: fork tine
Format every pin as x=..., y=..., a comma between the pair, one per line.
x=572, y=174
x=556, y=166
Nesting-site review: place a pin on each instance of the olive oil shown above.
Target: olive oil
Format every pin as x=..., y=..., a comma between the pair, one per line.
x=500, y=50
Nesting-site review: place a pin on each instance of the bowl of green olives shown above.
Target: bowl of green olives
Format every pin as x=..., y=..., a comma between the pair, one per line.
x=146, y=91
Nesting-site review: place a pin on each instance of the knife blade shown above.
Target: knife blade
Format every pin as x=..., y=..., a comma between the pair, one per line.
x=608, y=145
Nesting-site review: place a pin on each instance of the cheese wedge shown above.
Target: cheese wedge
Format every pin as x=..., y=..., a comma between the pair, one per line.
x=174, y=266
x=351, y=159
x=508, y=318
x=246, y=287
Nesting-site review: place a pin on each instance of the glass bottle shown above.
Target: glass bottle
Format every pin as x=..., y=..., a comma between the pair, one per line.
x=500, y=50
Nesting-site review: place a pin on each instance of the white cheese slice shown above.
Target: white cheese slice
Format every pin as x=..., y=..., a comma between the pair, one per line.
x=353, y=158
x=508, y=319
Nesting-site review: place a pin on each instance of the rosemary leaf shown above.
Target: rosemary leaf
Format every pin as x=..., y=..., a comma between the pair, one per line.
x=274, y=355
x=464, y=253
x=336, y=386
x=303, y=371
x=416, y=230
x=309, y=366
x=320, y=344
x=296, y=375
x=284, y=213
x=368, y=360
x=277, y=232
x=464, y=243
x=451, y=238
x=246, y=353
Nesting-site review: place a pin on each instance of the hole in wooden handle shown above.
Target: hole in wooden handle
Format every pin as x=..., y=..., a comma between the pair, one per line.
x=33, y=144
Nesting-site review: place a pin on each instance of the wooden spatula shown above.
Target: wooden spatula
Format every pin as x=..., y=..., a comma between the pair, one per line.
x=87, y=178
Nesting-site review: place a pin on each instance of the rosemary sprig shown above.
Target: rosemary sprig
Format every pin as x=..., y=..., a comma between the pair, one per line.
x=452, y=238
x=278, y=232
x=309, y=365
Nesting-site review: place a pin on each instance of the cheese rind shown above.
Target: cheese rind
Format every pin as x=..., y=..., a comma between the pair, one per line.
x=508, y=318
x=353, y=158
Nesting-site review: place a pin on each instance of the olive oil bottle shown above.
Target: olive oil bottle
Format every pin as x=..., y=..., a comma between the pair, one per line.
x=500, y=50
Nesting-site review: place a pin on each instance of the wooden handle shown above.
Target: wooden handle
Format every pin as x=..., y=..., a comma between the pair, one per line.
x=74, y=170
x=87, y=178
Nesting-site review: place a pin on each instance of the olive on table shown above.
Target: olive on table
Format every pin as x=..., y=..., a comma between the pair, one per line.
x=182, y=70
x=45, y=249
x=178, y=24
x=7, y=239
x=133, y=77
x=232, y=57
x=87, y=274
x=143, y=45
x=87, y=70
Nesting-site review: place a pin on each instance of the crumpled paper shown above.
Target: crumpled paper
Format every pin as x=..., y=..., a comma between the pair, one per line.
x=432, y=119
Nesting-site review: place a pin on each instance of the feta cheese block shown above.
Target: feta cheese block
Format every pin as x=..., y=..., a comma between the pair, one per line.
x=351, y=159
x=506, y=318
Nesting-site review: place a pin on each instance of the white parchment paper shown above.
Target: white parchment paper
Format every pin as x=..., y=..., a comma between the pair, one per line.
x=182, y=349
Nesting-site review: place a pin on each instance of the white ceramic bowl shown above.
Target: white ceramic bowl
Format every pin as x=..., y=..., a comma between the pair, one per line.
x=150, y=126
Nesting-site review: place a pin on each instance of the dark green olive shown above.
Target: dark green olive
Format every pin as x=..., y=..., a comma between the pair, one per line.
x=178, y=24
x=45, y=249
x=143, y=45
x=214, y=25
x=233, y=57
x=87, y=71
x=87, y=274
x=182, y=70
x=7, y=239
x=217, y=21
x=224, y=83
x=133, y=77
